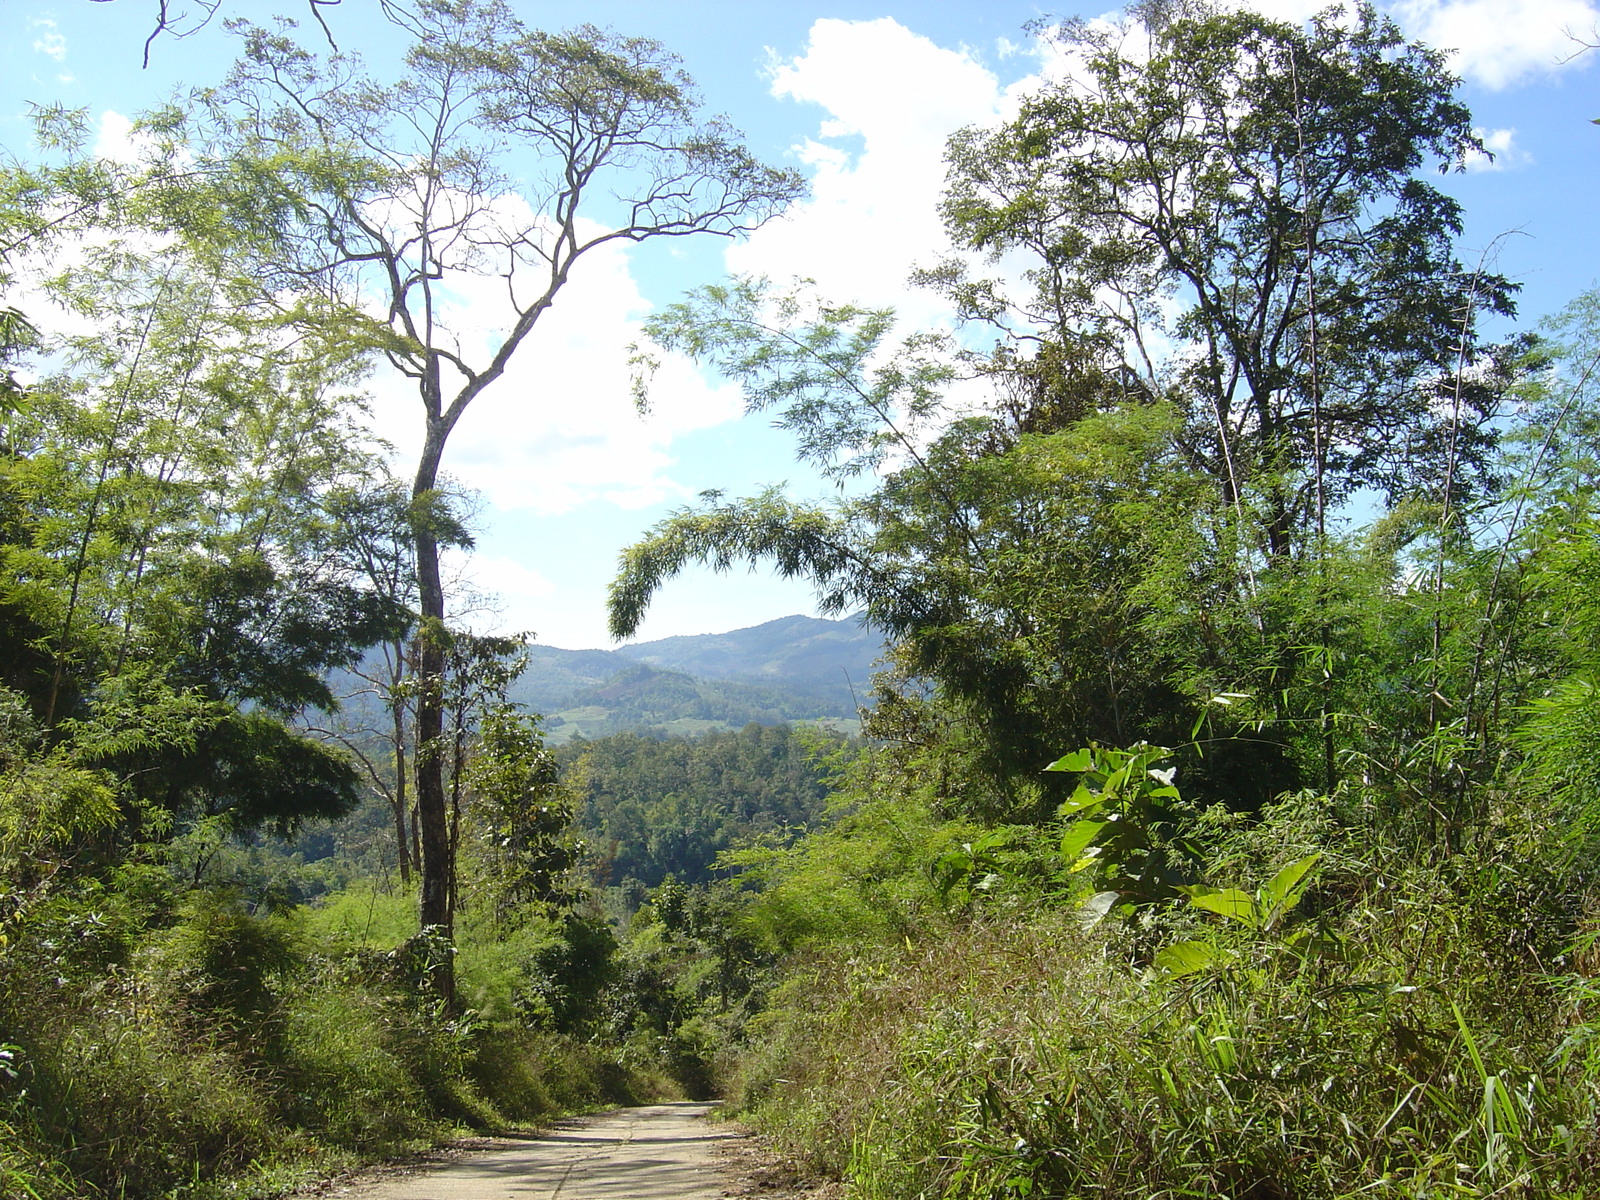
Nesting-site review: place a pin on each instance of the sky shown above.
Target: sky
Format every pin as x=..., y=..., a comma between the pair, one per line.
x=860, y=97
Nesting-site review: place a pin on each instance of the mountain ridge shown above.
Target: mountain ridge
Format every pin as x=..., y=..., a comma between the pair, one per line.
x=793, y=668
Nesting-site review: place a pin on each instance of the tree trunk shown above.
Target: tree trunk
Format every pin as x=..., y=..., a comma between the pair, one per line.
x=437, y=865
x=401, y=798
x=401, y=841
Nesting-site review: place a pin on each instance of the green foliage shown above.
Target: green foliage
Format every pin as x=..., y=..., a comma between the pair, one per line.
x=1054, y=567
x=521, y=814
x=166, y=557
x=865, y=879
x=1126, y=818
x=654, y=807
x=819, y=365
x=346, y=1073
x=800, y=540
x=1018, y=1056
x=47, y=807
x=158, y=1038
x=173, y=478
x=363, y=915
x=1378, y=986
x=137, y=1106
x=1270, y=904
x=1266, y=175
x=1562, y=555
x=1014, y=570
x=1142, y=516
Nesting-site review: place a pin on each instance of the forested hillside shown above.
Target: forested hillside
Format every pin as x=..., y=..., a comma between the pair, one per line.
x=671, y=703
x=793, y=669
x=1225, y=816
x=652, y=808
x=838, y=657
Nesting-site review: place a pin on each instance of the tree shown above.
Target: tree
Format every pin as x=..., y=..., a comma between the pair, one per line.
x=374, y=523
x=1138, y=522
x=1261, y=178
x=168, y=547
x=521, y=814
x=1009, y=566
x=499, y=151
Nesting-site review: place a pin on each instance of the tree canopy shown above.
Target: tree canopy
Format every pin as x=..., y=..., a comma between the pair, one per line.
x=498, y=151
x=1233, y=209
x=1242, y=309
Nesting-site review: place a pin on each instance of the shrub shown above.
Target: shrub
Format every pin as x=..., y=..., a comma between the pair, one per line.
x=341, y=1076
x=1400, y=1042
x=137, y=1102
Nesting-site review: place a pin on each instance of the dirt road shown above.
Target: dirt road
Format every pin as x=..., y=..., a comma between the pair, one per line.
x=659, y=1152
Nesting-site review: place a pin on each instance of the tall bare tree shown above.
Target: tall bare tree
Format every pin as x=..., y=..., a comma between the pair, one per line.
x=498, y=151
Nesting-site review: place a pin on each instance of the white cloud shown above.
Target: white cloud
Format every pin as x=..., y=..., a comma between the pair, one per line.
x=890, y=99
x=514, y=593
x=1500, y=151
x=1501, y=42
x=117, y=139
x=1295, y=11
x=50, y=41
x=1496, y=43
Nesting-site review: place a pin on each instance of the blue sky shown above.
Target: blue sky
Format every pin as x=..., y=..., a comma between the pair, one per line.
x=860, y=96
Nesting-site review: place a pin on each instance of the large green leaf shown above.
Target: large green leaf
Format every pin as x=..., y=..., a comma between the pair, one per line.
x=1078, y=838
x=1078, y=760
x=1283, y=890
x=1227, y=902
x=1082, y=800
x=1185, y=958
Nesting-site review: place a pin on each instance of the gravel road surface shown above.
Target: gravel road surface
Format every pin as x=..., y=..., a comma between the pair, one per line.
x=658, y=1152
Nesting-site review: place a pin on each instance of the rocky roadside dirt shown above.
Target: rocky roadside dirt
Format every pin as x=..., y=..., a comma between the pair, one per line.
x=657, y=1152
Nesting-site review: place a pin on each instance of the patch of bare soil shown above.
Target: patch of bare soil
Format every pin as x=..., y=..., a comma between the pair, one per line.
x=755, y=1169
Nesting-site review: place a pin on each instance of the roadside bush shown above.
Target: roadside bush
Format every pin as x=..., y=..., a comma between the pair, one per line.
x=692, y=1058
x=530, y=1074
x=28, y=1169
x=138, y=1103
x=1402, y=1036
x=508, y=1067
x=341, y=1077
x=152, y=1042
x=224, y=966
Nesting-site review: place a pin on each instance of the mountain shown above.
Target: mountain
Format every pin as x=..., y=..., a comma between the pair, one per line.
x=806, y=652
x=791, y=669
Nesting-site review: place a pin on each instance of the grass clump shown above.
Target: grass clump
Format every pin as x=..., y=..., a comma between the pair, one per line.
x=343, y=1073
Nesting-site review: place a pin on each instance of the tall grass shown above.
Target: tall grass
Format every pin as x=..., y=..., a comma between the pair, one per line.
x=193, y=1047
x=1413, y=1036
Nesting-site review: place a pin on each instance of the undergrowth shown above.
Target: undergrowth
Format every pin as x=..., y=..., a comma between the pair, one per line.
x=1413, y=1029
x=184, y=1045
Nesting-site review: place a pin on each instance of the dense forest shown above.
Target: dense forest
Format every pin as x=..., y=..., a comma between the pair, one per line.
x=658, y=808
x=1224, y=817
